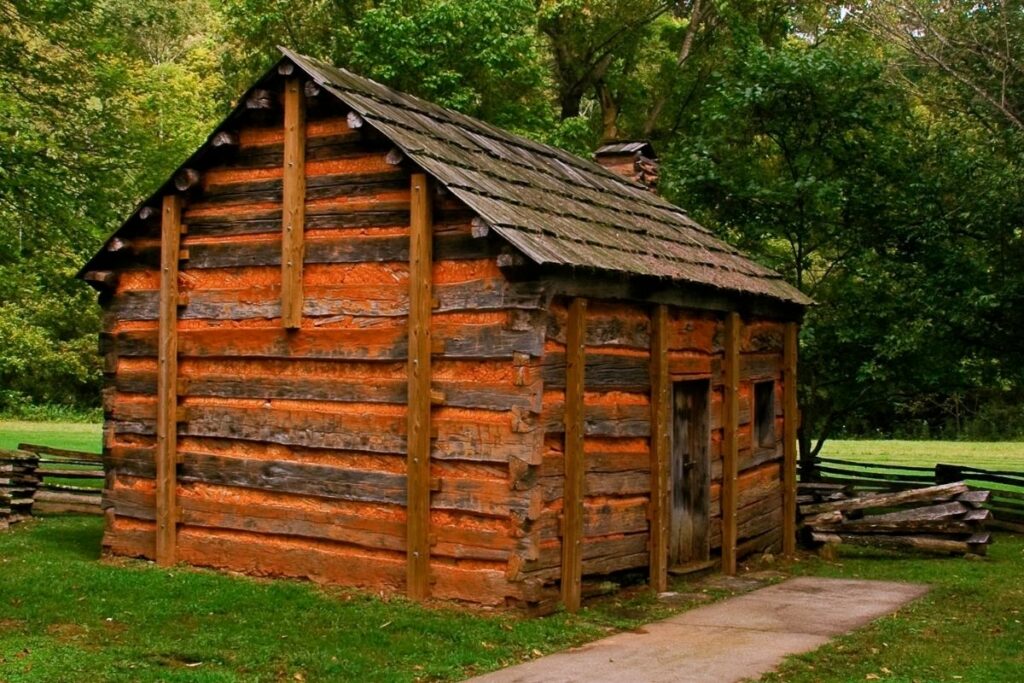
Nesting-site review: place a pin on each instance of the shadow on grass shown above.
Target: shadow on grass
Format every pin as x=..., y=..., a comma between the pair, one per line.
x=82, y=539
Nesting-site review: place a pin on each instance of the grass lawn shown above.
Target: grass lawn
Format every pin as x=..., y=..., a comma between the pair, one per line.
x=66, y=616
x=999, y=455
x=71, y=435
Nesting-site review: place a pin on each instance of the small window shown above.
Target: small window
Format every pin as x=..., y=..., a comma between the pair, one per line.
x=764, y=414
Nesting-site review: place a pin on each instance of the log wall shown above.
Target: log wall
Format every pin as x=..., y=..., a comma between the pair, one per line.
x=291, y=443
x=618, y=458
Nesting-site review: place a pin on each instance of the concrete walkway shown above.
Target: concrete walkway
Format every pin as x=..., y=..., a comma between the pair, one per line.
x=737, y=638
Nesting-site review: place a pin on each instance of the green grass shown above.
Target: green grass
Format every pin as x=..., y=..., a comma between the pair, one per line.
x=968, y=627
x=71, y=435
x=1001, y=455
x=66, y=616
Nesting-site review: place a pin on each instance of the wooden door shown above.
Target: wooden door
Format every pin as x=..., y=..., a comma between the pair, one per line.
x=691, y=473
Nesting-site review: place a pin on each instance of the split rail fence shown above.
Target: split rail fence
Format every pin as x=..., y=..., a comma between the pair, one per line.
x=1006, y=501
x=54, y=480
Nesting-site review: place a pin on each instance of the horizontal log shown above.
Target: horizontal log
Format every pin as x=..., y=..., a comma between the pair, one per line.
x=456, y=394
x=611, y=461
x=603, y=420
x=344, y=145
x=59, y=452
x=372, y=532
x=623, y=516
x=879, y=500
x=376, y=300
x=925, y=543
x=601, y=484
x=602, y=372
x=374, y=343
x=448, y=245
x=254, y=193
x=606, y=329
x=70, y=474
x=919, y=471
x=456, y=438
x=769, y=540
x=61, y=502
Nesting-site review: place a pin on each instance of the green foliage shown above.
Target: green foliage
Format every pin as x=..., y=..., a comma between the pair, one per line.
x=99, y=100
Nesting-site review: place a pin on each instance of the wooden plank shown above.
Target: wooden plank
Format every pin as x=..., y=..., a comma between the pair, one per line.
x=386, y=342
x=59, y=452
x=418, y=444
x=791, y=420
x=293, y=204
x=730, y=439
x=572, y=504
x=940, y=493
x=167, y=389
x=661, y=447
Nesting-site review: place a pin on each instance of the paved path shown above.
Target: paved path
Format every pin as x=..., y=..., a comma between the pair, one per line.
x=728, y=641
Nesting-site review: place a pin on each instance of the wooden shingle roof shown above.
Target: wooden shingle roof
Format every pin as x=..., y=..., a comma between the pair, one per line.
x=554, y=207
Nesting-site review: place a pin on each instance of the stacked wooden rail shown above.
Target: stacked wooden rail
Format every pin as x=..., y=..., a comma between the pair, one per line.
x=56, y=466
x=1006, y=489
x=948, y=518
x=1007, y=501
x=18, y=482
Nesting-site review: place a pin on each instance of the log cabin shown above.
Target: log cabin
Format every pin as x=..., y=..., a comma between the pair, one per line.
x=361, y=339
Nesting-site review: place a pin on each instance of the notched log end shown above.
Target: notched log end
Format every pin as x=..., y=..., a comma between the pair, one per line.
x=186, y=179
x=225, y=138
x=259, y=99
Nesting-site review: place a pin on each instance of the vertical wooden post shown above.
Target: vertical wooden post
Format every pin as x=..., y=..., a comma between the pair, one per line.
x=730, y=440
x=167, y=390
x=572, y=499
x=293, y=214
x=791, y=418
x=418, y=465
x=661, y=445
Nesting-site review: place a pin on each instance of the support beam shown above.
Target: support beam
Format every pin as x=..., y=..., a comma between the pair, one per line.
x=294, y=204
x=167, y=391
x=730, y=439
x=791, y=421
x=572, y=501
x=661, y=446
x=418, y=465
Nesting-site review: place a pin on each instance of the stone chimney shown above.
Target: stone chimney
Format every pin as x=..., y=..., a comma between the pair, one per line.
x=635, y=160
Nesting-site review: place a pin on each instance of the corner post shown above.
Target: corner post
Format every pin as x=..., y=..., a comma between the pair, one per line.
x=572, y=501
x=167, y=380
x=730, y=440
x=791, y=420
x=293, y=213
x=661, y=444
x=418, y=456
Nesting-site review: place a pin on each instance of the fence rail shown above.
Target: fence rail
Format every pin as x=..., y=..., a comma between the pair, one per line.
x=57, y=467
x=1007, y=487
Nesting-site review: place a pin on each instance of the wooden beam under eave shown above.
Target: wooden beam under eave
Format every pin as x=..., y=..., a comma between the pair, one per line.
x=293, y=215
x=791, y=422
x=418, y=456
x=572, y=500
x=661, y=446
x=167, y=391
x=730, y=440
